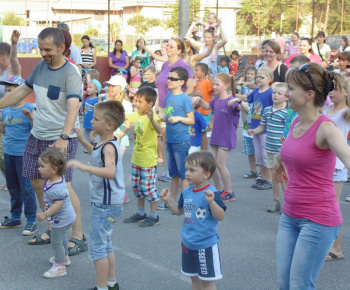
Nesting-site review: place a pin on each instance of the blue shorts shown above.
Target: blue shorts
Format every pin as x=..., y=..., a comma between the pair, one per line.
x=204, y=263
x=177, y=153
x=102, y=221
x=206, y=119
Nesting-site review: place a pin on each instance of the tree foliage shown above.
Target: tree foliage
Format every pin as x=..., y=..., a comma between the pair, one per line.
x=142, y=24
x=12, y=19
x=91, y=32
x=114, y=30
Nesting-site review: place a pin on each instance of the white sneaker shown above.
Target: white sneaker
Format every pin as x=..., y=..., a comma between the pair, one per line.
x=347, y=198
x=56, y=271
x=67, y=261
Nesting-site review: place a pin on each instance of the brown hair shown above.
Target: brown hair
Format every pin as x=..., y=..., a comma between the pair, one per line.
x=345, y=55
x=180, y=44
x=321, y=78
x=188, y=47
x=151, y=68
x=113, y=111
x=94, y=74
x=204, y=159
x=55, y=158
x=148, y=93
x=274, y=46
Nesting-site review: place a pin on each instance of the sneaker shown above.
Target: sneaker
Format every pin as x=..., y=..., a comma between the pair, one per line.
x=265, y=185
x=223, y=192
x=30, y=229
x=67, y=261
x=347, y=198
x=126, y=198
x=229, y=196
x=114, y=287
x=251, y=174
x=162, y=206
x=257, y=183
x=56, y=271
x=10, y=223
x=165, y=177
x=150, y=221
x=209, y=134
x=276, y=206
x=135, y=218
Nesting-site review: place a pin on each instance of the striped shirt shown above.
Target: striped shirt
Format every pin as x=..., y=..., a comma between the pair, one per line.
x=87, y=58
x=274, y=121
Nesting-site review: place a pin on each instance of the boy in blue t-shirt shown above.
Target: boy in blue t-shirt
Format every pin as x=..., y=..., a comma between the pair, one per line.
x=93, y=90
x=203, y=208
x=18, y=121
x=179, y=116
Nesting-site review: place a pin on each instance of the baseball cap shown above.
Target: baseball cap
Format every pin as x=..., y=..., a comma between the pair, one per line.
x=97, y=84
x=199, y=34
x=117, y=81
x=14, y=80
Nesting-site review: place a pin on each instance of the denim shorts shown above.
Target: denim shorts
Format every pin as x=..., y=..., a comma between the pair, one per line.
x=340, y=175
x=102, y=221
x=177, y=153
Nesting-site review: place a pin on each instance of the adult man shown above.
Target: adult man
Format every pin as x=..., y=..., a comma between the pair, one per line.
x=57, y=87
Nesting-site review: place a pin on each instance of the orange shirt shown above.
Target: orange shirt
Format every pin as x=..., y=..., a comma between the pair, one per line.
x=205, y=89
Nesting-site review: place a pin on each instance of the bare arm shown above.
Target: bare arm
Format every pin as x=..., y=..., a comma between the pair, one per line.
x=15, y=66
x=29, y=114
x=257, y=130
x=189, y=86
x=197, y=57
x=57, y=205
x=173, y=206
x=190, y=29
x=111, y=65
x=328, y=55
x=217, y=211
x=16, y=95
x=155, y=124
x=134, y=71
x=188, y=120
x=224, y=39
x=86, y=144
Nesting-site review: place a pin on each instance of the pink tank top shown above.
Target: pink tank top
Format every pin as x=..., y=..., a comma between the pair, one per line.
x=310, y=191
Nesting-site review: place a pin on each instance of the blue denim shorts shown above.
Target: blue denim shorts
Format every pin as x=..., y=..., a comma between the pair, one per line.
x=102, y=221
x=177, y=153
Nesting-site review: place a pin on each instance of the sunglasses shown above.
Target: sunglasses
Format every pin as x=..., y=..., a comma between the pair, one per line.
x=305, y=69
x=174, y=79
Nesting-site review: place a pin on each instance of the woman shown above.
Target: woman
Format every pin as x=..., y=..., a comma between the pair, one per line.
x=292, y=48
x=141, y=54
x=305, y=49
x=311, y=218
x=271, y=53
x=322, y=49
x=118, y=59
x=88, y=53
x=344, y=46
x=210, y=60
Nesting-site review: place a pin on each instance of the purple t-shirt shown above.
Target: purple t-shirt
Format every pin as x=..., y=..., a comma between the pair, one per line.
x=118, y=61
x=225, y=124
x=162, y=79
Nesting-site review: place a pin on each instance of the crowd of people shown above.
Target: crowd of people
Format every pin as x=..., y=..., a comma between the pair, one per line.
x=294, y=108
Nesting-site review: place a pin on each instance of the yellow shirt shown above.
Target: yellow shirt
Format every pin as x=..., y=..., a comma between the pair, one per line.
x=145, y=140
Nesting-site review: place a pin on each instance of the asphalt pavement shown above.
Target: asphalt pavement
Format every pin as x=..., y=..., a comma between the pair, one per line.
x=150, y=258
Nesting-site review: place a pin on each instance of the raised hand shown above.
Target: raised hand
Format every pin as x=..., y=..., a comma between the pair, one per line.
x=165, y=194
x=15, y=36
x=209, y=195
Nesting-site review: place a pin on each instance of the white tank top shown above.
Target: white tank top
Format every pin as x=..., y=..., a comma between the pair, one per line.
x=3, y=77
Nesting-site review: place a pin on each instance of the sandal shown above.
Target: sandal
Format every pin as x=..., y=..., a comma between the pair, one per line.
x=40, y=241
x=80, y=246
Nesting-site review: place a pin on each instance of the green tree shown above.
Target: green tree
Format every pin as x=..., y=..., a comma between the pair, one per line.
x=12, y=19
x=142, y=24
x=114, y=30
x=91, y=32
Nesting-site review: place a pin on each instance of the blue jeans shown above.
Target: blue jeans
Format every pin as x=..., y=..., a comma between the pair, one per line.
x=20, y=189
x=102, y=221
x=177, y=153
x=301, y=249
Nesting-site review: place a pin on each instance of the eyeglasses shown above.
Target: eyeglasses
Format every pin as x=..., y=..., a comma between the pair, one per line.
x=260, y=77
x=174, y=79
x=305, y=69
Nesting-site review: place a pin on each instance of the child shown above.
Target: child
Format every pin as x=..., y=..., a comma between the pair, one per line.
x=234, y=62
x=226, y=110
x=261, y=98
x=202, y=208
x=179, y=116
x=93, y=90
x=58, y=209
x=211, y=24
x=144, y=158
x=204, y=88
x=248, y=146
x=223, y=67
x=344, y=61
x=196, y=130
x=18, y=121
x=90, y=75
x=273, y=121
x=135, y=75
x=339, y=113
x=106, y=188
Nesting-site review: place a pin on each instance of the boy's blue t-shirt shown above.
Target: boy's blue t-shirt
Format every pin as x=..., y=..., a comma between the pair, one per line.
x=260, y=101
x=196, y=129
x=88, y=106
x=200, y=228
x=17, y=129
x=290, y=117
x=223, y=69
x=177, y=106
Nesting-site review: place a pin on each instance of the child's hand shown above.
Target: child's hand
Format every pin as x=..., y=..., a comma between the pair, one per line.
x=209, y=195
x=195, y=101
x=79, y=133
x=92, y=136
x=165, y=194
x=150, y=113
x=174, y=120
x=27, y=113
x=233, y=101
x=74, y=164
x=250, y=132
x=15, y=37
x=41, y=216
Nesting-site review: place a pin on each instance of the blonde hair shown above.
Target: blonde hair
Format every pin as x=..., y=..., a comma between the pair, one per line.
x=228, y=80
x=121, y=96
x=267, y=72
x=279, y=85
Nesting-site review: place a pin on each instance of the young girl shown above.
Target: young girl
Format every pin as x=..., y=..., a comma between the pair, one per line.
x=135, y=75
x=339, y=113
x=260, y=98
x=248, y=146
x=58, y=209
x=226, y=110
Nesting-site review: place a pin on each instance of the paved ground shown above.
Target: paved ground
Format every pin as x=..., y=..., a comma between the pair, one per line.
x=150, y=258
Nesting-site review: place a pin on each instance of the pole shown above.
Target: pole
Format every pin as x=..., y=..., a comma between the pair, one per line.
x=109, y=25
x=217, y=9
x=297, y=18
x=257, y=47
x=184, y=15
x=342, y=18
x=313, y=19
x=137, y=17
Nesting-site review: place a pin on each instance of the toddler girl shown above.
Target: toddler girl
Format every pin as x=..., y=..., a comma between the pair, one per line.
x=58, y=209
x=135, y=75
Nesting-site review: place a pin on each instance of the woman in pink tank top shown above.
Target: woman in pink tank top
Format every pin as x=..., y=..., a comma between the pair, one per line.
x=311, y=219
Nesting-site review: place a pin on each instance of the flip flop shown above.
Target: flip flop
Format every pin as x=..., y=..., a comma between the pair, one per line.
x=334, y=257
x=79, y=246
x=40, y=241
